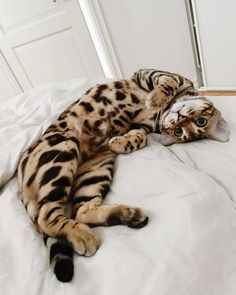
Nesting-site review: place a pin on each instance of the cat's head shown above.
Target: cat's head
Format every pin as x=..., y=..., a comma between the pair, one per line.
x=192, y=119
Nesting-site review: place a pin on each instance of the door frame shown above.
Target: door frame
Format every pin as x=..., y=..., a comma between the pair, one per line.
x=198, y=52
x=100, y=35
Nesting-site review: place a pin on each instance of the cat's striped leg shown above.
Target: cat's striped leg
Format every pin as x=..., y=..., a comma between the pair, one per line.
x=45, y=177
x=51, y=220
x=163, y=87
x=91, y=186
x=131, y=141
x=167, y=89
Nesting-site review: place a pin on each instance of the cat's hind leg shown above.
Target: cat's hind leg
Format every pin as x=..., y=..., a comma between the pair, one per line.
x=45, y=177
x=91, y=186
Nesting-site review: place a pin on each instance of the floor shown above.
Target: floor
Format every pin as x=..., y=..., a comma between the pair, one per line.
x=218, y=92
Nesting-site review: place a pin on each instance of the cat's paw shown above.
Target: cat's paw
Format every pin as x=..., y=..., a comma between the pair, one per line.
x=84, y=240
x=133, y=140
x=116, y=144
x=156, y=99
x=130, y=216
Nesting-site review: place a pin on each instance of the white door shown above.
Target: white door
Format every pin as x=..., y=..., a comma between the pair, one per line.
x=215, y=21
x=8, y=84
x=45, y=40
x=148, y=34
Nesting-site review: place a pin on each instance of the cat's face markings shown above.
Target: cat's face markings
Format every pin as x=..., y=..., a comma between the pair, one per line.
x=191, y=120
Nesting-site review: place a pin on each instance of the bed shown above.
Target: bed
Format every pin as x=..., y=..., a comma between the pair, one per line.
x=187, y=190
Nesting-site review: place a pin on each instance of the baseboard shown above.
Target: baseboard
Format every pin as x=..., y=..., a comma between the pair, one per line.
x=218, y=92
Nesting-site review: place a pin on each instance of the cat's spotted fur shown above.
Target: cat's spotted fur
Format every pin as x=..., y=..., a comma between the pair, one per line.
x=73, y=161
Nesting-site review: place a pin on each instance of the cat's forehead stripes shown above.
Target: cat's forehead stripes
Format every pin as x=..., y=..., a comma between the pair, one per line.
x=185, y=112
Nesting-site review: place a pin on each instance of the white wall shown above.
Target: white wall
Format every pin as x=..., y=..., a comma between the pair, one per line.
x=150, y=34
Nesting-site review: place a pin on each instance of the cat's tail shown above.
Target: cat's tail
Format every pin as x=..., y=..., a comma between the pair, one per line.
x=61, y=257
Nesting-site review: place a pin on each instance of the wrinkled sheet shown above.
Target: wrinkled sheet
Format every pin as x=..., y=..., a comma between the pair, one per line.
x=188, y=191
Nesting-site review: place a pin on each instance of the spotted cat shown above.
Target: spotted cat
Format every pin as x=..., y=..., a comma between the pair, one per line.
x=74, y=159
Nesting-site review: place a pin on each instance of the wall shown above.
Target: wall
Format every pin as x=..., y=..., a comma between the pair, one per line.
x=149, y=34
x=143, y=33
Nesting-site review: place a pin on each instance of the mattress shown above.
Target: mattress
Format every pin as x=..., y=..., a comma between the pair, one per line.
x=187, y=190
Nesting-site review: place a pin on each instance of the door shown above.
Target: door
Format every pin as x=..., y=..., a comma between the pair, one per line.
x=148, y=34
x=45, y=40
x=214, y=23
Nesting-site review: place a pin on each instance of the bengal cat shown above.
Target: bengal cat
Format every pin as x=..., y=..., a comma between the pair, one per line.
x=74, y=159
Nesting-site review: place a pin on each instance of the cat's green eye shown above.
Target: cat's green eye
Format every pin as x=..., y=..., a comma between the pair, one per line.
x=178, y=131
x=201, y=122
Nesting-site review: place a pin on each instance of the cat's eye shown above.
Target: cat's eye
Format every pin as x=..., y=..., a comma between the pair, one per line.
x=201, y=122
x=178, y=131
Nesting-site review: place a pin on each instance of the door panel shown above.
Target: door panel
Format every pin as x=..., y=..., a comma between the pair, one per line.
x=8, y=85
x=45, y=58
x=45, y=40
x=15, y=12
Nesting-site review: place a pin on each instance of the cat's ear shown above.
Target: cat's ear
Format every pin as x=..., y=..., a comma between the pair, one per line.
x=166, y=139
x=220, y=131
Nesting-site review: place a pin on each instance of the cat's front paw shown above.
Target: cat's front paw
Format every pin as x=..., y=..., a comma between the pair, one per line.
x=156, y=99
x=116, y=144
x=152, y=101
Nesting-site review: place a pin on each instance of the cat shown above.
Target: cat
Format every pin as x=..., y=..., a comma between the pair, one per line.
x=74, y=159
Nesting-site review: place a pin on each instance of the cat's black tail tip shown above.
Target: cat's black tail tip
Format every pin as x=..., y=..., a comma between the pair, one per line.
x=64, y=269
x=61, y=258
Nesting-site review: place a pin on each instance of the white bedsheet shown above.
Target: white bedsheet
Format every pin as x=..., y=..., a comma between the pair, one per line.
x=188, y=191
